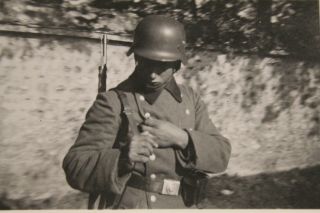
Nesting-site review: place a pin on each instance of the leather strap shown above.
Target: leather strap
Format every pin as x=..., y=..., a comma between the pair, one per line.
x=127, y=110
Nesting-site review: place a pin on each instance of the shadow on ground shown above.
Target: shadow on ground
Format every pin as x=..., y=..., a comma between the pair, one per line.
x=298, y=188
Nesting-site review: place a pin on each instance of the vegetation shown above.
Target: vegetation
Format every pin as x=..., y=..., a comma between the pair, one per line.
x=287, y=27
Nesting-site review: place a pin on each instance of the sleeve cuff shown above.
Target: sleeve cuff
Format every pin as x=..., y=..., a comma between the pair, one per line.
x=187, y=156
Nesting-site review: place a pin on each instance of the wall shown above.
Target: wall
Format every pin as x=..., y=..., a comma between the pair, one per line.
x=268, y=108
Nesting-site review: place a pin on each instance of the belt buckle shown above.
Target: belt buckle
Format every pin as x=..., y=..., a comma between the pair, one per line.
x=170, y=187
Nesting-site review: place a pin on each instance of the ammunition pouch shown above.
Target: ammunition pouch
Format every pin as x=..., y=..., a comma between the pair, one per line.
x=194, y=189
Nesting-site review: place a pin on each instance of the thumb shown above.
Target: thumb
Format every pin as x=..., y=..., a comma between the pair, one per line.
x=150, y=122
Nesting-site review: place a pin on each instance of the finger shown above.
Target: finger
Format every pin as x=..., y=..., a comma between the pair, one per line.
x=150, y=122
x=148, y=135
x=148, y=129
x=145, y=133
x=151, y=139
x=138, y=138
x=153, y=143
x=144, y=151
x=149, y=146
x=143, y=159
x=140, y=158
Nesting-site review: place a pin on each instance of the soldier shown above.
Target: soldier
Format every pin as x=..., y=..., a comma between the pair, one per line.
x=143, y=165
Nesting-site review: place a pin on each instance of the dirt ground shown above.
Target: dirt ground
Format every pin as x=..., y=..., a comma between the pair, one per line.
x=295, y=189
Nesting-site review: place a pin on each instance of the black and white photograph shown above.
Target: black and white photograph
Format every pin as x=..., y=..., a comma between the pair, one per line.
x=159, y=104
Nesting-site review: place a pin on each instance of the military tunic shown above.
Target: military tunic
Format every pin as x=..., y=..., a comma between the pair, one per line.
x=95, y=162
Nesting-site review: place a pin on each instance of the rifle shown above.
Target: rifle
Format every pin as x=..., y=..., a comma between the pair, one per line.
x=102, y=87
x=102, y=77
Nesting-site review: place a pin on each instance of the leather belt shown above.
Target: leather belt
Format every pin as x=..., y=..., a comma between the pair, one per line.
x=159, y=185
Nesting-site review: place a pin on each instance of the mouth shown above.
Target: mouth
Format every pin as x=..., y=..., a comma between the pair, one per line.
x=152, y=81
x=153, y=84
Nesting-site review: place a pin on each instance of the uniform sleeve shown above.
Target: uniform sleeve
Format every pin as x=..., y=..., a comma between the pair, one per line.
x=207, y=149
x=92, y=163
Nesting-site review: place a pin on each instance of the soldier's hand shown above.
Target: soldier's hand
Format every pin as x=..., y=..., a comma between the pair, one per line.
x=165, y=133
x=141, y=147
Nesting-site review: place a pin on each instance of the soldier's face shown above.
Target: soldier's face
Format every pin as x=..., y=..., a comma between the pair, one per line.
x=155, y=73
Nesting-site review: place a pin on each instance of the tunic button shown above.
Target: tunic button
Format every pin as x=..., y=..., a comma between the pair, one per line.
x=153, y=176
x=147, y=115
x=153, y=198
x=141, y=97
x=152, y=157
x=187, y=111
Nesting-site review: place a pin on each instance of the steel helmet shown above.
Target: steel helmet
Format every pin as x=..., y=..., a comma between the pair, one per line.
x=159, y=38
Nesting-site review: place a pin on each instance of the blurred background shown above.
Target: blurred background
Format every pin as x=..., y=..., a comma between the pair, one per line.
x=255, y=62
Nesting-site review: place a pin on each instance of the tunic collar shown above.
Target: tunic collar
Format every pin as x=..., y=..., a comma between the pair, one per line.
x=151, y=96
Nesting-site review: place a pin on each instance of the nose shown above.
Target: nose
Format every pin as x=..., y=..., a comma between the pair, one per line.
x=153, y=75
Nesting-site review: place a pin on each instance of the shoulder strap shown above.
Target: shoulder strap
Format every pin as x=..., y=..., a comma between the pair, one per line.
x=127, y=110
